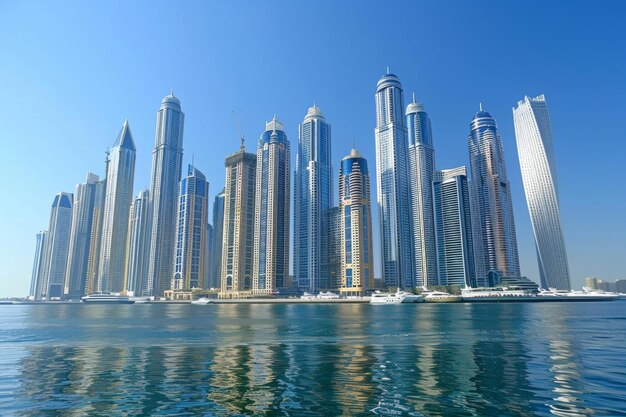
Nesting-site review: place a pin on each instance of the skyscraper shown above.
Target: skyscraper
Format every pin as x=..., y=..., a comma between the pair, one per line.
x=453, y=228
x=138, y=245
x=80, y=238
x=421, y=170
x=208, y=259
x=238, y=233
x=117, y=201
x=167, y=163
x=93, y=263
x=392, y=175
x=357, y=258
x=218, y=234
x=495, y=241
x=536, y=155
x=55, y=260
x=37, y=274
x=313, y=195
x=191, y=240
x=331, y=261
x=271, y=223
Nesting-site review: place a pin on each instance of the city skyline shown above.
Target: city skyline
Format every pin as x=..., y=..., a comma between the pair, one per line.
x=593, y=246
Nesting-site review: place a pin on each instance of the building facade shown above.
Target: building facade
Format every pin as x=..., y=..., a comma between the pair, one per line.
x=57, y=247
x=495, y=240
x=37, y=273
x=167, y=163
x=191, y=234
x=218, y=235
x=392, y=175
x=138, y=245
x=238, y=232
x=271, y=223
x=357, y=257
x=533, y=133
x=421, y=171
x=80, y=238
x=453, y=228
x=313, y=194
x=93, y=262
x=118, y=198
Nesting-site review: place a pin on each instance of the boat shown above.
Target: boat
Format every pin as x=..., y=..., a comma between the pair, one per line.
x=585, y=295
x=410, y=297
x=202, y=301
x=323, y=295
x=495, y=294
x=328, y=295
x=439, y=296
x=398, y=298
x=107, y=298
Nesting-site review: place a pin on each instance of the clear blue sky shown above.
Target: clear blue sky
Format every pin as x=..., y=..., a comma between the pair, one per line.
x=71, y=72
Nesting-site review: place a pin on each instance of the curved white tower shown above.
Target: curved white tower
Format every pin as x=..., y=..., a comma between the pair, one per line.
x=421, y=172
x=392, y=180
x=536, y=155
x=167, y=164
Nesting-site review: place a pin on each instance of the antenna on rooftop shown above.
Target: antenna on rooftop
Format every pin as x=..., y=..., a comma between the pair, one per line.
x=241, y=135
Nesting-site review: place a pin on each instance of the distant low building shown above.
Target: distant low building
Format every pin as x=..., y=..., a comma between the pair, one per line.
x=620, y=286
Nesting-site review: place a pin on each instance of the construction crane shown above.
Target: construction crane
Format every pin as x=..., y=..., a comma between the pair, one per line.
x=241, y=135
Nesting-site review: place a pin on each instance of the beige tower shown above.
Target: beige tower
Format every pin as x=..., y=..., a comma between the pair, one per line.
x=357, y=258
x=238, y=234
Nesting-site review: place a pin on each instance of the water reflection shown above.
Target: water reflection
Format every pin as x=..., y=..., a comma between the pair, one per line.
x=431, y=360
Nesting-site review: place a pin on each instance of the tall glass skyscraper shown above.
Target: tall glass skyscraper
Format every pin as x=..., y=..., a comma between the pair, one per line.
x=37, y=274
x=421, y=170
x=55, y=260
x=238, y=232
x=93, y=263
x=218, y=234
x=119, y=196
x=191, y=240
x=392, y=175
x=495, y=240
x=80, y=238
x=313, y=195
x=167, y=163
x=453, y=228
x=138, y=245
x=271, y=222
x=357, y=257
x=536, y=155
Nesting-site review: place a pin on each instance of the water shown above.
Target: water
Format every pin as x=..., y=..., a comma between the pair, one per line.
x=564, y=359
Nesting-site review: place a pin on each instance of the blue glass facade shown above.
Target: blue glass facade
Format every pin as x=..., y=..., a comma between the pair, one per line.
x=392, y=174
x=313, y=195
x=191, y=241
x=271, y=224
x=495, y=241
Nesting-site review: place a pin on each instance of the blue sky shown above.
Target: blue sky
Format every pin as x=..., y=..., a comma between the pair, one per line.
x=71, y=72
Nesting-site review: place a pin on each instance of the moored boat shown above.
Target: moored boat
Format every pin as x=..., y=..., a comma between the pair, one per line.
x=202, y=301
x=107, y=298
x=439, y=296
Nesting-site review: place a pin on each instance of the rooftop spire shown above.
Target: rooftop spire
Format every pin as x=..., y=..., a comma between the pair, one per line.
x=387, y=69
x=413, y=96
x=480, y=105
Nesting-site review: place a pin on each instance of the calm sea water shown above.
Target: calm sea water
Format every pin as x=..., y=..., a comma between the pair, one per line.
x=304, y=360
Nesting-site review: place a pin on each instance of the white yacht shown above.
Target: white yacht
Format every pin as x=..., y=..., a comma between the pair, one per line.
x=107, y=298
x=495, y=294
x=585, y=295
x=202, y=301
x=439, y=296
x=328, y=295
x=398, y=298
